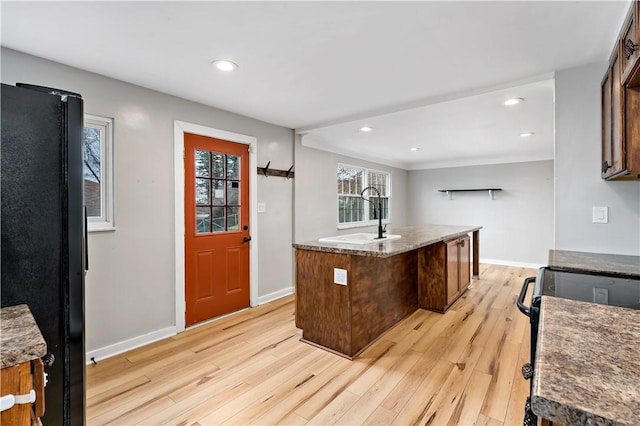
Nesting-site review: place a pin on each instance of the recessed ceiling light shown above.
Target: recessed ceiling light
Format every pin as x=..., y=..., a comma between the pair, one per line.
x=366, y=128
x=526, y=134
x=224, y=65
x=513, y=101
x=414, y=149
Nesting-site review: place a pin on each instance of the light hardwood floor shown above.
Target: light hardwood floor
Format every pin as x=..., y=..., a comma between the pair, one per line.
x=462, y=367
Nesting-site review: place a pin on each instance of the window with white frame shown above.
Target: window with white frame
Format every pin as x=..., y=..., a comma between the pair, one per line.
x=352, y=209
x=98, y=172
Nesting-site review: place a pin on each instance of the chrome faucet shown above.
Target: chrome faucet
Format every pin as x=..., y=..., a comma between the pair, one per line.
x=377, y=212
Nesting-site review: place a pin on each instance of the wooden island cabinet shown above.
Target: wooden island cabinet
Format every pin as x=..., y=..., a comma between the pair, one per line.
x=444, y=273
x=347, y=296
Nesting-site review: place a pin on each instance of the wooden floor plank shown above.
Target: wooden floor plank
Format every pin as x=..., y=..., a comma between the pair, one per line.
x=461, y=367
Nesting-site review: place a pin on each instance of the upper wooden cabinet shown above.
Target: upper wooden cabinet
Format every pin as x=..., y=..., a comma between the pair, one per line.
x=621, y=104
x=630, y=39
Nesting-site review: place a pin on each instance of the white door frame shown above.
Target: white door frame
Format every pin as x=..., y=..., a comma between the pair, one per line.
x=179, y=129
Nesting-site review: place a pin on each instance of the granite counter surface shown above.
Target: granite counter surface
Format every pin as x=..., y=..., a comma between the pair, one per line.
x=616, y=264
x=20, y=337
x=413, y=237
x=587, y=368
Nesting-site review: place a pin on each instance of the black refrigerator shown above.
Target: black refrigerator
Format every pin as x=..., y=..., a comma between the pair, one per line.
x=43, y=225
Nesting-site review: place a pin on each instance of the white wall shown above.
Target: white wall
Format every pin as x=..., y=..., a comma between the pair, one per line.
x=517, y=223
x=578, y=185
x=130, y=294
x=316, y=201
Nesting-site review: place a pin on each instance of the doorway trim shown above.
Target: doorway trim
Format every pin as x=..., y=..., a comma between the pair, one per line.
x=179, y=129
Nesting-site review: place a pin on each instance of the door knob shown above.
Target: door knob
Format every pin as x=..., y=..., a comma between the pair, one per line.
x=246, y=239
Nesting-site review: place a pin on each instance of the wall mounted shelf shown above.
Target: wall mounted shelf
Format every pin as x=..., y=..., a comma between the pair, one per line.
x=266, y=172
x=451, y=191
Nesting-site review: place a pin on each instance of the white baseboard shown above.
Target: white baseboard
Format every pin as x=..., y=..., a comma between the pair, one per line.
x=136, y=342
x=127, y=345
x=275, y=295
x=511, y=263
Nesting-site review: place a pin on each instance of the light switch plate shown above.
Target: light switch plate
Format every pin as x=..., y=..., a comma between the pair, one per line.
x=340, y=276
x=600, y=214
x=262, y=207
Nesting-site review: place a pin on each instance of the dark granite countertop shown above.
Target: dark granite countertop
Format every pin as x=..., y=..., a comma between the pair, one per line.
x=621, y=265
x=587, y=367
x=20, y=337
x=413, y=237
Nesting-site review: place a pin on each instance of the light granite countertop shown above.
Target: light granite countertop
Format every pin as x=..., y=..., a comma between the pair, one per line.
x=413, y=237
x=20, y=337
x=587, y=367
x=616, y=264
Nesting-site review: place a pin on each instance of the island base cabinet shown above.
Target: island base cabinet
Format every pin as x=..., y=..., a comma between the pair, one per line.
x=444, y=273
x=345, y=319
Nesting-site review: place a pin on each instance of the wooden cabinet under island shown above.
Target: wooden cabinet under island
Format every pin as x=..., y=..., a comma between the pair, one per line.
x=444, y=273
x=382, y=283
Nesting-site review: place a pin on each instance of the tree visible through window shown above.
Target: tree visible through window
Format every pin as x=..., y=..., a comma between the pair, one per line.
x=352, y=209
x=98, y=181
x=92, y=174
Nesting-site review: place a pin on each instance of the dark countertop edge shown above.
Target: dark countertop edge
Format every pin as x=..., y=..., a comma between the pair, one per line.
x=574, y=256
x=341, y=249
x=555, y=410
x=13, y=353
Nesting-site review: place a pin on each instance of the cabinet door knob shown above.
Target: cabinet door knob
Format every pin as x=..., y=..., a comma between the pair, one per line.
x=629, y=48
x=605, y=166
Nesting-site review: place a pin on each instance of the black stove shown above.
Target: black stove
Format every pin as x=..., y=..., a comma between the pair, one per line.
x=603, y=288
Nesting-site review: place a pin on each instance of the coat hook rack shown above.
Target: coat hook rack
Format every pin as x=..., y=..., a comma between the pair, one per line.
x=266, y=171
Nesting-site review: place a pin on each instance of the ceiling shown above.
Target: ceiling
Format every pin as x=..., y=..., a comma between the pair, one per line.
x=431, y=75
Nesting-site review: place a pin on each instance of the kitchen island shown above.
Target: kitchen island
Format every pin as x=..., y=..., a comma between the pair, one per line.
x=348, y=295
x=587, y=369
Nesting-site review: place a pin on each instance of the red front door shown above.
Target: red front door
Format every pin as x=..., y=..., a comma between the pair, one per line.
x=216, y=227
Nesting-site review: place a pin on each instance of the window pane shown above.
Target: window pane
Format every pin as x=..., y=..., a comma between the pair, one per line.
x=203, y=191
x=92, y=172
x=350, y=180
x=233, y=192
x=202, y=163
x=218, y=193
x=385, y=208
x=203, y=219
x=350, y=209
x=218, y=219
x=379, y=181
x=233, y=167
x=233, y=223
x=217, y=165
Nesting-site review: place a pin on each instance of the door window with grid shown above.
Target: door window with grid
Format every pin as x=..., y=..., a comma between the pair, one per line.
x=217, y=192
x=352, y=209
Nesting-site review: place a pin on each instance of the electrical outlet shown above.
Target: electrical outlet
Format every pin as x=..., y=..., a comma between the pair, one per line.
x=601, y=296
x=340, y=276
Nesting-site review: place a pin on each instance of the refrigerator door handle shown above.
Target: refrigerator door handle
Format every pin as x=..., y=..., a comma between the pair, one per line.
x=86, y=240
